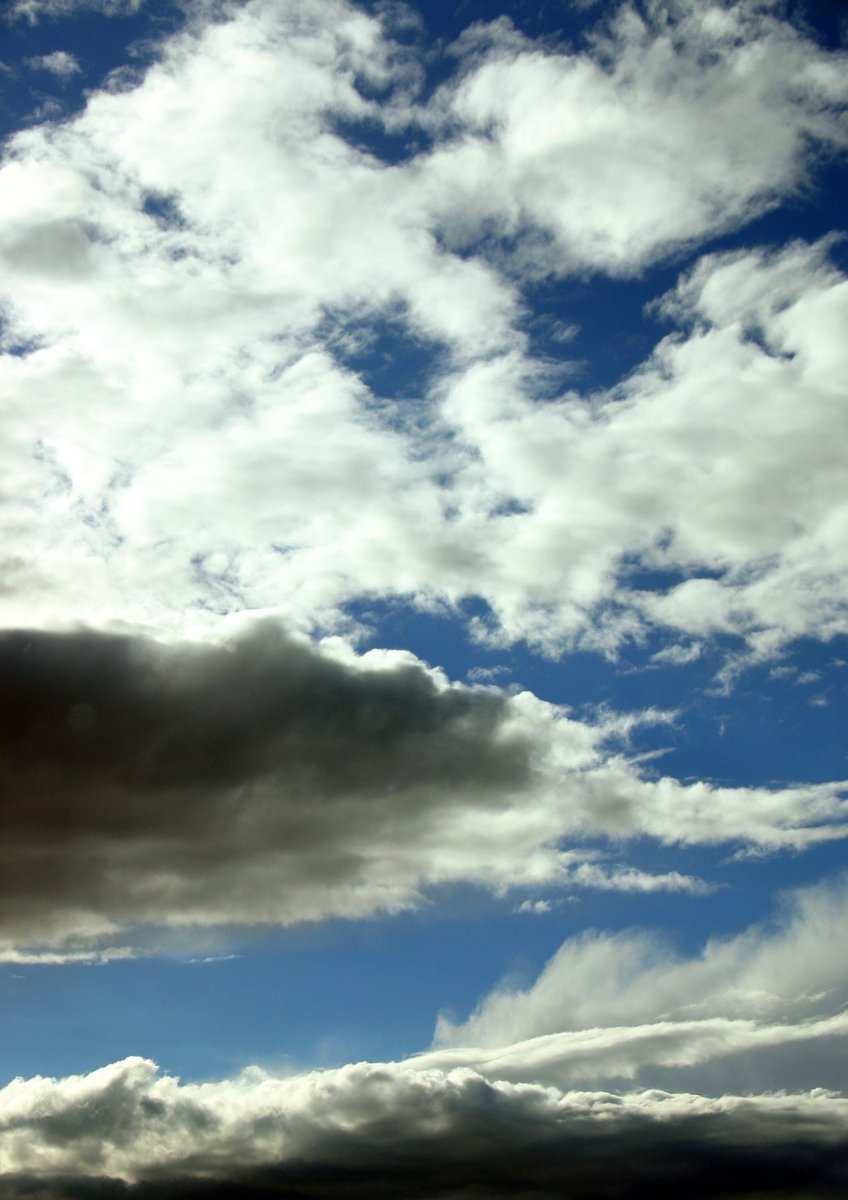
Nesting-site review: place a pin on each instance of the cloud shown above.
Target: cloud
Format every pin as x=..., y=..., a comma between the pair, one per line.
x=262, y=779
x=58, y=63
x=35, y=10
x=705, y=458
x=759, y=1011
x=710, y=1053
x=189, y=270
x=396, y=1129
x=702, y=115
x=259, y=780
x=641, y=1004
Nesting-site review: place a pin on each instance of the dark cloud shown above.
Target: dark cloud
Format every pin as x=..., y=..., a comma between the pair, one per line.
x=143, y=781
x=380, y=1130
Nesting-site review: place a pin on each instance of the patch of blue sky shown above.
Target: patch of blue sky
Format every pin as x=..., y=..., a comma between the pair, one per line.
x=342, y=991
x=127, y=41
x=311, y=996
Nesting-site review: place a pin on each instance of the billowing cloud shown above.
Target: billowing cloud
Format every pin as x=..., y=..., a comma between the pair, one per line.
x=395, y=1129
x=702, y=115
x=203, y=275
x=697, y=468
x=267, y=780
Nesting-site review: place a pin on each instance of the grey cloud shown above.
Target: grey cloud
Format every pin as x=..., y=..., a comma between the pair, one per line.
x=388, y=1130
x=270, y=780
x=143, y=781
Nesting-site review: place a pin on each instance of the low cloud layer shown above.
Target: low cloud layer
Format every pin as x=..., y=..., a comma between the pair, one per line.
x=691, y=1101
x=392, y=1130
x=266, y=779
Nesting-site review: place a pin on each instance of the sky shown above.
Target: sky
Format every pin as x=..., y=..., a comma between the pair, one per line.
x=423, y=599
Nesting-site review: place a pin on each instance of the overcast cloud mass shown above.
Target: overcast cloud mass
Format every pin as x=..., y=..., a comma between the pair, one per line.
x=335, y=337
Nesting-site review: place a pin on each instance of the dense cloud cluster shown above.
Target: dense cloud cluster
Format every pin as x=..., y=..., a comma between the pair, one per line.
x=202, y=275
x=392, y=1129
x=266, y=779
x=255, y=780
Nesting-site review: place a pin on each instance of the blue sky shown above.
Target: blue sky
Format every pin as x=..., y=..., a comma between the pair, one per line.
x=423, y=657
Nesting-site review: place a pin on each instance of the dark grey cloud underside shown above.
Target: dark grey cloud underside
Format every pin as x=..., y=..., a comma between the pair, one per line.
x=123, y=761
x=383, y=1131
x=638, y=1166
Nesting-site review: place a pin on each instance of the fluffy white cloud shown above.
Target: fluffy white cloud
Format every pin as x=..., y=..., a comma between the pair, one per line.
x=703, y=465
x=188, y=268
x=398, y=1128
x=701, y=115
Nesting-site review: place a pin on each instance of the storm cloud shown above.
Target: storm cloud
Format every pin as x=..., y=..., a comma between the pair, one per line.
x=268, y=779
x=240, y=781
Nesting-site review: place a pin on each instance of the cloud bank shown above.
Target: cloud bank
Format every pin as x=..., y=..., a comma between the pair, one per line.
x=390, y=1129
x=264, y=779
x=681, y=1099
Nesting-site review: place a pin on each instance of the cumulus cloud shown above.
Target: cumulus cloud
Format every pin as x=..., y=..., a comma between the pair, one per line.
x=264, y=779
x=706, y=459
x=702, y=115
x=259, y=780
x=192, y=270
x=396, y=1128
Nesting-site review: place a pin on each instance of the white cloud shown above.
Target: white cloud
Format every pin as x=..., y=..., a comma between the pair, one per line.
x=34, y=10
x=784, y=973
x=739, y=1054
x=185, y=263
x=59, y=62
x=701, y=115
x=699, y=465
